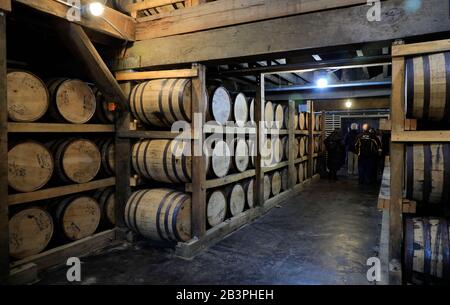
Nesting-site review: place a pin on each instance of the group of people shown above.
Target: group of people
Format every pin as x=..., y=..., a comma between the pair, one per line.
x=361, y=151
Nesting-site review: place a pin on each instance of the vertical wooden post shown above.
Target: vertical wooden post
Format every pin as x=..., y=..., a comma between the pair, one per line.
x=4, y=220
x=397, y=168
x=311, y=138
x=260, y=126
x=292, y=146
x=198, y=158
x=123, y=161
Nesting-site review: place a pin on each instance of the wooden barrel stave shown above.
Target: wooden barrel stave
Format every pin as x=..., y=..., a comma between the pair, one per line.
x=106, y=200
x=218, y=154
x=103, y=114
x=248, y=188
x=107, y=152
x=240, y=109
x=240, y=153
x=267, y=187
x=275, y=183
x=235, y=198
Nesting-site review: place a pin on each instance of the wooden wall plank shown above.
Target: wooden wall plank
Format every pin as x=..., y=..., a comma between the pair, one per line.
x=4, y=218
x=397, y=171
x=285, y=36
x=125, y=24
x=198, y=159
x=223, y=13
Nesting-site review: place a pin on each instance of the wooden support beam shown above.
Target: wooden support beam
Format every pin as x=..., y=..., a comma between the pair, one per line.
x=223, y=13
x=311, y=138
x=258, y=186
x=125, y=24
x=5, y=5
x=130, y=6
x=421, y=48
x=4, y=218
x=129, y=76
x=293, y=174
x=344, y=26
x=79, y=42
x=420, y=136
x=123, y=162
x=397, y=171
x=198, y=157
x=58, y=127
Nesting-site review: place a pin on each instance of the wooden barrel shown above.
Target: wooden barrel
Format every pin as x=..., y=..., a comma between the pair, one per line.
x=30, y=231
x=219, y=155
x=269, y=113
x=106, y=199
x=278, y=116
x=236, y=199
x=30, y=166
x=103, y=113
x=252, y=111
x=240, y=109
x=162, y=102
x=301, y=172
x=315, y=166
x=107, y=152
x=427, y=83
x=277, y=150
x=428, y=173
x=159, y=214
x=266, y=153
x=302, y=146
x=162, y=160
x=302, y=121
x=72, y=100
x=267, y=187
x=285, y=145
x=76, y=160
x=306, y=145
x=216, y=207
x=27, y=96
x=306, y=120
x=284, y=179
x=427, y=250
x=240, y=154
x=219, y=106
x=275, y=183
x=287, y=117
x=77, y=217
x=318, y=122
x=316, y=144
x=252, y=151
x=248, y=188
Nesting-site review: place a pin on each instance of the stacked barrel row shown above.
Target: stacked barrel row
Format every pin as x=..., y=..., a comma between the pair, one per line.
x=33, y=165
x=427, y=170
x=62, y=100
x=42, y=160
x=59, y=221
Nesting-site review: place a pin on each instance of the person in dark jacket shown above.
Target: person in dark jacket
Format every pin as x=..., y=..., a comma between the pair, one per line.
x=352, y=157
x=368, y=148
x=334, y=144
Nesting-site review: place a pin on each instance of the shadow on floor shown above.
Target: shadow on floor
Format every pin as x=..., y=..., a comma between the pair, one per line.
x=322, y=236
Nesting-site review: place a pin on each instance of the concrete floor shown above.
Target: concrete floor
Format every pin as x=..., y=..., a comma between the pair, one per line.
x=322, y=236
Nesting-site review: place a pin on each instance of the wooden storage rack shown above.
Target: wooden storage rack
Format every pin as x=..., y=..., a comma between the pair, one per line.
x=200, y=184
x=400, y=137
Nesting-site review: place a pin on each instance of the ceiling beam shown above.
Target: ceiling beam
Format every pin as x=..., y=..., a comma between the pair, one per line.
x=125, y=24
x=223, y=13
x=307, y=33
x=357, y=104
